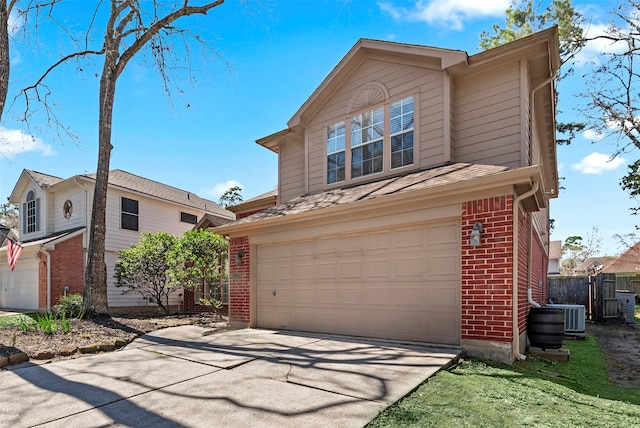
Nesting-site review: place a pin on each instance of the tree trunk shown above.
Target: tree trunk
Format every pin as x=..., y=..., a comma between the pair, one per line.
x=95, y=288
x=4, y=54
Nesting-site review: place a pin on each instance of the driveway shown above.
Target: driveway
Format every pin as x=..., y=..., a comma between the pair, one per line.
x=181, y=376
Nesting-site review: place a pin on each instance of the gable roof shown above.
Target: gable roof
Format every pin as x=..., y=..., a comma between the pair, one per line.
x=592, y=262
x=628, y=262
x=43, y=180
x=447, y=178
x=262, y=201
x=126, y=180
x=133, y=183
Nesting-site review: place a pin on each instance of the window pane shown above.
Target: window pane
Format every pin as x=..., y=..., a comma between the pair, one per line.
x=402, y=133
x=129, y=206
x=129, y=221
x=367, y=127
x=335, y=168
x=335, y=137
x=188, y=218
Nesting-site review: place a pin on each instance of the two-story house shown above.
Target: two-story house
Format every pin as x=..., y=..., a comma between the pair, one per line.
x=54, y=215
x=412, y=200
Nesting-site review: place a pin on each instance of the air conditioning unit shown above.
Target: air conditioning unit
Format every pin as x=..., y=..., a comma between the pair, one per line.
x=574, y=318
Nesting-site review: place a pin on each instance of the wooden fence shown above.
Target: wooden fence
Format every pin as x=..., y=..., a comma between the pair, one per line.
x=596, y=293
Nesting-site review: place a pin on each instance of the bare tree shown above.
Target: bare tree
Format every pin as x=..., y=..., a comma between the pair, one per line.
x=131, y=26
x=613, y=88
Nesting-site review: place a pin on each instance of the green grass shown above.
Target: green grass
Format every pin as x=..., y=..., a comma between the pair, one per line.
x=532, y=393
x=636, y=312
x=15, y=320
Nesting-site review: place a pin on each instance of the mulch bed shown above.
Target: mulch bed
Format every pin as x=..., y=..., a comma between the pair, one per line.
x=90, y=336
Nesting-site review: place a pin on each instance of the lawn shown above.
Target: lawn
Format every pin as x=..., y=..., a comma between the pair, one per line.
x=531, y=393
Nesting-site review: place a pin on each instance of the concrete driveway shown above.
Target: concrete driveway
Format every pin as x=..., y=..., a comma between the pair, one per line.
x=245, y=378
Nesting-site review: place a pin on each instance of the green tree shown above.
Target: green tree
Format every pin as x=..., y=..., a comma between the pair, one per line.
x=144, y=268
x=525, y=17
x=575, y=250
x=130, y=26
x=9, y=215
x=231, y=196
x=199, y=260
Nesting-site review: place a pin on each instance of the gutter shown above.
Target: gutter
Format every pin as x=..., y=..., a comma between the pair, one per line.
x=515, y=331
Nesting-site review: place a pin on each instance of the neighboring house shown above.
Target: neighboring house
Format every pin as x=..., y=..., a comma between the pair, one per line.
x=412, y=203
x=555, y=255
x=628, y=264
x=593, y=265
x=7, y=232
x=54, y=217
x=242, y=209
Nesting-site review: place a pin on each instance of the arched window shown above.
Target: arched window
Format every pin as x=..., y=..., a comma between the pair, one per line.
x=31, y=213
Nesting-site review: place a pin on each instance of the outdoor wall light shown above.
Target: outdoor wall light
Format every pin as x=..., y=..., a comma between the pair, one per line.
x=474, y=238
x=239, y=257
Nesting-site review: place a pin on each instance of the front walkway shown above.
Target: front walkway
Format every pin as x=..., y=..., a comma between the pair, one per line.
x=181, y=376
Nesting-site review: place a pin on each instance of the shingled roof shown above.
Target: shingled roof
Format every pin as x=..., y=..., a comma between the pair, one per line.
x=43, y=180
x=135, y=183
x=432, y=177
x=628, y=262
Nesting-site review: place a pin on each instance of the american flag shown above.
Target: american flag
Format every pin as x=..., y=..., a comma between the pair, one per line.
x=13, y=253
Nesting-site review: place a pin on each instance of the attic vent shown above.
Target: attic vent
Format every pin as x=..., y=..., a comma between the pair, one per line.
x=369, y=94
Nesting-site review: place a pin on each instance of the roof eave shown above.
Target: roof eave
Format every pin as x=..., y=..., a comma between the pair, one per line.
x=520, y=176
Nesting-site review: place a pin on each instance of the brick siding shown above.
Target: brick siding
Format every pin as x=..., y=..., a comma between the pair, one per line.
x=487, y=270
x=240, y=278
x=67, y=268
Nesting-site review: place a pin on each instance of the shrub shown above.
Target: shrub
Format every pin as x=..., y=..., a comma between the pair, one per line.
x=69, y=306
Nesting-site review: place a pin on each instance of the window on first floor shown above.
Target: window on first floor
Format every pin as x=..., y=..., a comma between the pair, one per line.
x=382, y=134
x=129, y=214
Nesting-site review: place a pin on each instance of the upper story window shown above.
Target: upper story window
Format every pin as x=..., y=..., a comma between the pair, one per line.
x=31, y=213
x=401, y=124
x=188, y=218
x=129, y=215
x=381, y=135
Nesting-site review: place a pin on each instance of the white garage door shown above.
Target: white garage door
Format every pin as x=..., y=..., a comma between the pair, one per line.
x=399, y=283
x=20, y=286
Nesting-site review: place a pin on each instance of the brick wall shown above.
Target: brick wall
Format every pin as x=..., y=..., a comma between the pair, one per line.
x=240, y=278
x=67, y=268
x=487, y=270
x=42, y=280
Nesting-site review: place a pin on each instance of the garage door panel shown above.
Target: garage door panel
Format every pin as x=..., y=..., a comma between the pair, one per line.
x=443, y=234
x=399, y=283
x=442, y=264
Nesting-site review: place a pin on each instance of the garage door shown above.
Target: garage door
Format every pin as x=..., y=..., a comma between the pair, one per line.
x=20, y=286
x=398, y=283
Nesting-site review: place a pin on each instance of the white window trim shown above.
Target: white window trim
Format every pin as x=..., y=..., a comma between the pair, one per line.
x=386, y=166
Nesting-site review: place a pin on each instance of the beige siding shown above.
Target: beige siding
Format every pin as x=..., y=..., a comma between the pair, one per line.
x=291, y=165
x=487, y=123
x=400, y=80
x=56, y=215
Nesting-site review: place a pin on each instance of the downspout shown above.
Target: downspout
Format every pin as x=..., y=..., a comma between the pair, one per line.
x=515, y=331
x=529, y=269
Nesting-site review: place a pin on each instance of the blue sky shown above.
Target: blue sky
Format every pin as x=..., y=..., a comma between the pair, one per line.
x=275, y=54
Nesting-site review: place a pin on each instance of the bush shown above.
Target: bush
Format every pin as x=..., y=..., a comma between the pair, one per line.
x=69, y=306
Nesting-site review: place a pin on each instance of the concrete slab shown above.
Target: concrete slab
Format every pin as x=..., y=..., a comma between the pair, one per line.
x=172, y=377
x=39, y=393
x=374, y=371
x=230, y=399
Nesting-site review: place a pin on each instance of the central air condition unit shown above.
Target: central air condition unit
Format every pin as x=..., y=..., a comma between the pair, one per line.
x=574, y=318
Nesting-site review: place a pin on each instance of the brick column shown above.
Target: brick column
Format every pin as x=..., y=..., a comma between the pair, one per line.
x=487, y=276
x=239, y=282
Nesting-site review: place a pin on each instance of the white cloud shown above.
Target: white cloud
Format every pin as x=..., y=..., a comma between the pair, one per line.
x=450, y=13
x=591, y=53
x=14, y=142
x=593, y=135
x=217, y=190
x=13, y=23
x=596, y=163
